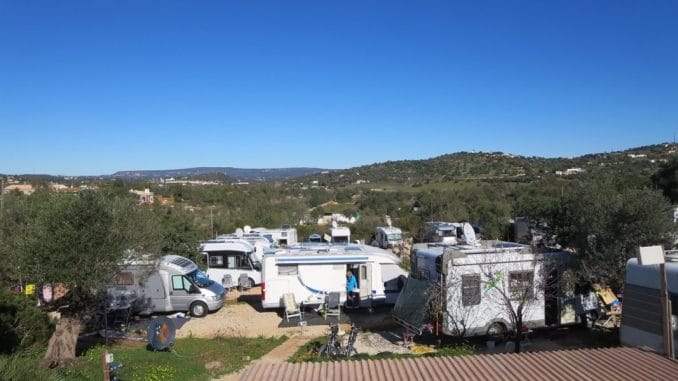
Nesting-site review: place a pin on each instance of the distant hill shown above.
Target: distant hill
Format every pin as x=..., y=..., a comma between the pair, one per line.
x=470, y=166
x=240, y=174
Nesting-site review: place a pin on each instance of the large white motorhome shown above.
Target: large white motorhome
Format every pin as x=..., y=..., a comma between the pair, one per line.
x=312, y=272
x=387, y=237
x=170, y=283
x=475, y=279
x=641, y=321
x=234, y=256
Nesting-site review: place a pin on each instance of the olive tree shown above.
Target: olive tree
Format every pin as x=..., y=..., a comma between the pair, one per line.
x=80, y=242
x=605, y=225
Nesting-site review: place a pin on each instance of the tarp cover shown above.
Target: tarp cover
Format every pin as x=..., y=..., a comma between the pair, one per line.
x=409, y=309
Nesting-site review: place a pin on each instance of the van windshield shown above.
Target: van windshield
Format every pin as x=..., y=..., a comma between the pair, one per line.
x=200, y=278
x=394, y=237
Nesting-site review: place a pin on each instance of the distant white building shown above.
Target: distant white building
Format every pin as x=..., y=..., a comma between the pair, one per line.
x=145, y=196
x=569, y=171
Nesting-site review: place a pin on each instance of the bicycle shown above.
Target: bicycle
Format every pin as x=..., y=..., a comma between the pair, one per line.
x=349, y=349
x=332, y=348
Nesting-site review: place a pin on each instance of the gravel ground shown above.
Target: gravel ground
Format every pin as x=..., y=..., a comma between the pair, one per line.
x=242, y=316
x=373, y=343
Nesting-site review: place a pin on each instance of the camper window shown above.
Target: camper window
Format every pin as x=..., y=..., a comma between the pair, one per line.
x=216, y=261
x=363, y=273
x=125, y=278
x=288, y=270
x=179, y=282
x=470, y=290
x=520, y=285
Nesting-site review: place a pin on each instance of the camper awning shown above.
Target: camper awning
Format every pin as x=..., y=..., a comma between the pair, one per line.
x=410, y=307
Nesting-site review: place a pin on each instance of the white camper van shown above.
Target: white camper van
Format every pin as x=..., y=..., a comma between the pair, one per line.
x=339, y=234
x=388, y=237
x=641, y=321
x=475, y=279
x=312, y=272
x=284, y=236
x=451, y=233
x=171, y=283
x=228, y=258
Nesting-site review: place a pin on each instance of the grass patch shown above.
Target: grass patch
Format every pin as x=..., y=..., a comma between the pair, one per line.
x=191, y=359
x=309, y=353
x=22, y=366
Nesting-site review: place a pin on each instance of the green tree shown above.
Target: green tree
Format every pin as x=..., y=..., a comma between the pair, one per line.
x=605, y=225
x=81, y=242
x=666, y=179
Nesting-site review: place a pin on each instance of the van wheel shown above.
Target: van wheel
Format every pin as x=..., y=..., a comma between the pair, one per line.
x=496, y=331
x=198, y=309
x=251, y=282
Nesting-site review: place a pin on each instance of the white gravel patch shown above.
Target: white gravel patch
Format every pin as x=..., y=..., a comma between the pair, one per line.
x=373, y=343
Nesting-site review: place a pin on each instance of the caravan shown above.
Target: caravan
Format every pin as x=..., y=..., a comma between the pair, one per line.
x=171, y=283
x=641, y=322
x=312, y=272
x=478, y=282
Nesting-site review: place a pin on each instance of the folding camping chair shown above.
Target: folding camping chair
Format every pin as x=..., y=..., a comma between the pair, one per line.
x=244, y=282
x=333, y=305
x=227, y=282
x=291, y=307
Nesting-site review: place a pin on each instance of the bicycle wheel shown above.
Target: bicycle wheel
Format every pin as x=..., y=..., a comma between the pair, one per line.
x=323, y=352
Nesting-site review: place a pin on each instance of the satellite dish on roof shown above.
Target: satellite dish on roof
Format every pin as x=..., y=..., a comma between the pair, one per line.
x=334, y=224
x=239, y=233
x=161, y=333
x=469, y=234
x=247, y=229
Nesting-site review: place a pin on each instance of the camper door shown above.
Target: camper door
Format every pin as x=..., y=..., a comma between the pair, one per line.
x=180, y=294
x=365, y=281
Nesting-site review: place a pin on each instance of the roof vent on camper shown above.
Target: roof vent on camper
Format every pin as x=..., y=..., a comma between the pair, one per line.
x=247, y=229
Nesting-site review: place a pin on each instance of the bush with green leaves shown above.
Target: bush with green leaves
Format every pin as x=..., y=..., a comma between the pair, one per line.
x=23, y=325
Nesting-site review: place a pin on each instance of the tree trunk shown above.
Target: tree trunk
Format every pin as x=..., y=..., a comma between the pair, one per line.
x=61, y=347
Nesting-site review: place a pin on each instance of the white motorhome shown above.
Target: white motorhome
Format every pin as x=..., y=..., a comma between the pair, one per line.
x=641, y=321
x=449, y=233
x=170, y=283
x=284, y=236
x=339, y=234
x=312, y=272
x=231, y=257
x=387, y=237
x=475, y=279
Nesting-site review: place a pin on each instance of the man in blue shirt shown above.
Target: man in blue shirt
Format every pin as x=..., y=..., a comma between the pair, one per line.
x=351, y=284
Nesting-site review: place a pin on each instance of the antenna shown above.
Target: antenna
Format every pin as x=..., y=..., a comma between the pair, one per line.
x=388, y=221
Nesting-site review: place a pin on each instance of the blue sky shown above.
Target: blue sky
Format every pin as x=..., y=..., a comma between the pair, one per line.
x=93, y=87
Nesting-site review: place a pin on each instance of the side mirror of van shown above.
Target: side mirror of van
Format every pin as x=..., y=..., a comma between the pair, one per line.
x=193, y=290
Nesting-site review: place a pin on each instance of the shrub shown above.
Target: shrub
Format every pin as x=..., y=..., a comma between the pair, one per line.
x=22, y=324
